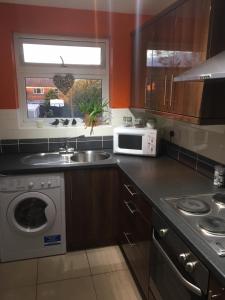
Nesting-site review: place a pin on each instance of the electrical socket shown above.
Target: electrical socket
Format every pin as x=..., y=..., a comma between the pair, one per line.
x=172, y=133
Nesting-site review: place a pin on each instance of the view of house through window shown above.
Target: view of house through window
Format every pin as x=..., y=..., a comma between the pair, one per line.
x=57, y=101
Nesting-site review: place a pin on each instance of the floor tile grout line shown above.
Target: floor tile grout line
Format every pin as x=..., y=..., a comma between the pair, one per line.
x=105, y=272
x=89, y=264
x=36, y=294
x=108, y=272
x=93, y=284
x=63, y=279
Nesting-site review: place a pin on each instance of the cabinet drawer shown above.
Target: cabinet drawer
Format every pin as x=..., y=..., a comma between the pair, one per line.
x=132, y=195
x=135, y=240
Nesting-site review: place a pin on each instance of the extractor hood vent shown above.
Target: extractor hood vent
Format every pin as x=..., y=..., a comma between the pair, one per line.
x=213, y=68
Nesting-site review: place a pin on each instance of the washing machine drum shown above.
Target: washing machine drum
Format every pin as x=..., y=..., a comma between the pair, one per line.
x=31, y=213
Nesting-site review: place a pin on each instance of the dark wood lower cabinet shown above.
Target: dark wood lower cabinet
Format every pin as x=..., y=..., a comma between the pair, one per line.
x=104, y=207
x=135, y=232
x=91, y=207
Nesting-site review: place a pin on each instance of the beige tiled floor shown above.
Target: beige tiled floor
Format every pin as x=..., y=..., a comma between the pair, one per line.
x=96, y=274
x=106, y=259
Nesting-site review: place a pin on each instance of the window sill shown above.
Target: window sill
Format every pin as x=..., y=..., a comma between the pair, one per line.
x=31, y=130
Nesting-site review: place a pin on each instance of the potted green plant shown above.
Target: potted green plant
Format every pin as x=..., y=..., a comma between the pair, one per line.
x=92, y=110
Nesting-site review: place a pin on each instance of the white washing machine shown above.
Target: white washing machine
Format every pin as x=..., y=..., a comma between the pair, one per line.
x=32, y=216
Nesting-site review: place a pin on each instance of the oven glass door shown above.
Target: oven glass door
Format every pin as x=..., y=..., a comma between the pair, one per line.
x=128, y=141
x=165, y=282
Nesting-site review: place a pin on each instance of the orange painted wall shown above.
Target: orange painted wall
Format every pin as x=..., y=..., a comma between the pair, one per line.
x=67, y=22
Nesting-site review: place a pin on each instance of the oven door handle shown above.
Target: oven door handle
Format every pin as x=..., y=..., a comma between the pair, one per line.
x=191, y=287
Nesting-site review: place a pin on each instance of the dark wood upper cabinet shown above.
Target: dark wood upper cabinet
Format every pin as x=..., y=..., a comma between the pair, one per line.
x=138, y=80
x=181, y=37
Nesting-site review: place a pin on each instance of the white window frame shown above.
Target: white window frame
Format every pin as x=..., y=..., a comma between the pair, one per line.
x=28, y=70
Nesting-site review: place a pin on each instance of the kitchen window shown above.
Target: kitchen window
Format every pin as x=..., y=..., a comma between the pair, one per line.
x=55, y=73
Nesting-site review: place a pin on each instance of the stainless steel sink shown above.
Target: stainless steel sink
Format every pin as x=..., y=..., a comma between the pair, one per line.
x=89, y=156
x=56, y=158
x=46, y=159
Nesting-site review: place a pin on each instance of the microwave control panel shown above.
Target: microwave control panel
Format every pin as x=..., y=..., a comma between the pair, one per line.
x=151, y=143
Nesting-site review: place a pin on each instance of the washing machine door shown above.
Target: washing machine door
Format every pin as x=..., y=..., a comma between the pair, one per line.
x=31, y=213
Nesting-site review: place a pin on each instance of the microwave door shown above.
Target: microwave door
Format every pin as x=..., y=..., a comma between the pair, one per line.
x=130, y=142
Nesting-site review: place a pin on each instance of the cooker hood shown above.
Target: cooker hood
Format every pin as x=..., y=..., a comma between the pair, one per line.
x=213, y=68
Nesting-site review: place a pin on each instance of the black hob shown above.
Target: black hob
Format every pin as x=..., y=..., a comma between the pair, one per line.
x=206, y=215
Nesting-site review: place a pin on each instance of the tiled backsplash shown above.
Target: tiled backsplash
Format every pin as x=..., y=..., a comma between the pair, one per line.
x=208, y=141
x=191, y=159
x=53, y=144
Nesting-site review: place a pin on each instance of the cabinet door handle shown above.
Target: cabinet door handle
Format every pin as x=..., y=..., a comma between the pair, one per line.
x=126, y=234
x=165, y=90
x=171, y=90
x=133, y=211
x=215, y=296
x=146, y=82
x=191, y=287
x=127, y=186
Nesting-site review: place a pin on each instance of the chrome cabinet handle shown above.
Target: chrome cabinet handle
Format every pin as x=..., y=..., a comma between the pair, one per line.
x=2, y=175
x=191, y=287
x=146, y=91
x=133, y=211
x=165, y=90
x=127, y=186
x=215, y=296
x=163, y=232
x=126, y=234
x=171, y=90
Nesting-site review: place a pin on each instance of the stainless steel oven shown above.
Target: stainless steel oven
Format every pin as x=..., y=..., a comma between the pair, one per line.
x=175, y=272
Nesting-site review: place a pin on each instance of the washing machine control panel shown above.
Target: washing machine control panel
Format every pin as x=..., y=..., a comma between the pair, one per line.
x=29, y=183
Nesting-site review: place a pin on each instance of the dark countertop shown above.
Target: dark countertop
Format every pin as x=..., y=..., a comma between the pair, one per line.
x=156, y=178
x=165, y=177
x=11, y=164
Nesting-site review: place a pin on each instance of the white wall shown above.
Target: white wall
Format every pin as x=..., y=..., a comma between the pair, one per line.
x=208, y=141
x=12, y=128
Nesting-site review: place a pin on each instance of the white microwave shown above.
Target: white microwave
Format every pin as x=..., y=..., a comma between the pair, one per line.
x=135, y=141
